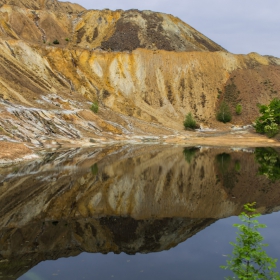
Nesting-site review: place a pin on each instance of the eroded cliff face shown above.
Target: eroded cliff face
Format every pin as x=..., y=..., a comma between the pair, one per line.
x=146, y=70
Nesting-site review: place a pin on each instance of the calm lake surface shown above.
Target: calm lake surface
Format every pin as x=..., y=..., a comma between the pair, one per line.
x=133, y=212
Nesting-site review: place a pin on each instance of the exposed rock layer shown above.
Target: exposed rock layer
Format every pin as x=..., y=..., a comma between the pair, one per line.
x=141, y=67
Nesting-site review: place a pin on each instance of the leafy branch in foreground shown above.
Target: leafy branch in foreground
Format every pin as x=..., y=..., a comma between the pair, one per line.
x=249, y=261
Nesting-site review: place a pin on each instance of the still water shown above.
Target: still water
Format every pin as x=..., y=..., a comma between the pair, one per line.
x=133, y=212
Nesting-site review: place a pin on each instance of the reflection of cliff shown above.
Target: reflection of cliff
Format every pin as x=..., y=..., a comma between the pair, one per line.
x=131, y=199
x=140, y=181
x=25, y=247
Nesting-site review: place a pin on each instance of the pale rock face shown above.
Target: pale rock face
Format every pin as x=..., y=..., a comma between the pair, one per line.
x=96, y=68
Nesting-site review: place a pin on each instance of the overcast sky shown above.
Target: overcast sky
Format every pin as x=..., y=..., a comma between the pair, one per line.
x=240, y=26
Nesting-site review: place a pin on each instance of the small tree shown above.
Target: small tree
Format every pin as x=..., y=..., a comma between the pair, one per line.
x=249, y=261
x=269, y=122
x=190, y=122
x=56, y=42
x=238, y=109
x=94, y=107
x=224, y=113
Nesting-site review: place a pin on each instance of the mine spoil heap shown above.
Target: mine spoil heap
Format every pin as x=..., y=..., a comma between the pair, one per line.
x=145, y=70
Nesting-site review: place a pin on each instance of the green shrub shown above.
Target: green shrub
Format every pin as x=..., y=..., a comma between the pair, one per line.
x=224, y=113
x=190, y=122
x=269, y=122
x=238, y=109
x=249, y=261
x=56, y=42
x=94, y=169
x=67, y=39
x=94, y=107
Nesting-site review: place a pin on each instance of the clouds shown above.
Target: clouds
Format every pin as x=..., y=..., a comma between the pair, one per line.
x=240, y=26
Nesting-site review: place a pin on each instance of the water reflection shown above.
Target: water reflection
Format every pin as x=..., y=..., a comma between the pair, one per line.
x=269, y=161
x=123, y=199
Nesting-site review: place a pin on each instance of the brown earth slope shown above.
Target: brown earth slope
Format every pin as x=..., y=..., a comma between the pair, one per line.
x=146, y=70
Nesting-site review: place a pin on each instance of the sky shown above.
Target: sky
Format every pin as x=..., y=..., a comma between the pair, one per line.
x=240, y=26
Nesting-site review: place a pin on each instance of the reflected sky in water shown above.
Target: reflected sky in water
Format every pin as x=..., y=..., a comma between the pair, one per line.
x=165, y=207
x=197, y=258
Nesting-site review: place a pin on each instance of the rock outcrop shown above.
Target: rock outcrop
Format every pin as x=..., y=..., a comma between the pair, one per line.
x=146, y=70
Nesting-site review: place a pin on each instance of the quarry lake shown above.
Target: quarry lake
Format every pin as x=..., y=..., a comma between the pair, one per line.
x=133, y=212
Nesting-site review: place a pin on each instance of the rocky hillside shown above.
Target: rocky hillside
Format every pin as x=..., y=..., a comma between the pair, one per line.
x=146, y=71
x=52, y=5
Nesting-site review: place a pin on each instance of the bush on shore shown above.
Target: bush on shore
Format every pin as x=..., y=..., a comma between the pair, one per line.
x=190, y=122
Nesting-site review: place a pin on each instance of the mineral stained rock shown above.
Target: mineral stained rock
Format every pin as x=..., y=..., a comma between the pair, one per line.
x=145, y=70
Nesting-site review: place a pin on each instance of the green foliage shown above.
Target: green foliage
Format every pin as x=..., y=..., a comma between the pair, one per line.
x=94, y=169
x=190, y=153
x=94, y=107
x=190, y=122
x=249, y=261
x=56, y=42
x=219, y=93
x=269, y=160
x=237, y=166
x=224, y=113
x=67, y=39
x=269, y=122
x=238, y=109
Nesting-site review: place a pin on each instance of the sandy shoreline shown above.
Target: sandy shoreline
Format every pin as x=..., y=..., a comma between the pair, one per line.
x=11, y=153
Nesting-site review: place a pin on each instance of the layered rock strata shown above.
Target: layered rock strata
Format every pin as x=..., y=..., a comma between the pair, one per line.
x=146, y=71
